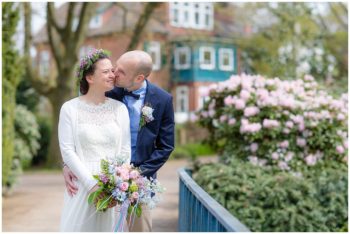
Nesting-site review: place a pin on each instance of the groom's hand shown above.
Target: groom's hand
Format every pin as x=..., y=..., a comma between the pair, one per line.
x=69, y=178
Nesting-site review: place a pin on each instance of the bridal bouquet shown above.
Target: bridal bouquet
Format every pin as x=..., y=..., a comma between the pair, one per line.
x=122, y=184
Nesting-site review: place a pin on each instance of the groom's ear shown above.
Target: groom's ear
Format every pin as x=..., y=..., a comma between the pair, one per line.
x=140, y=78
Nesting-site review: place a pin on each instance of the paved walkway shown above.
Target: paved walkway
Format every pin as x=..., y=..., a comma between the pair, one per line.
x=37, y=202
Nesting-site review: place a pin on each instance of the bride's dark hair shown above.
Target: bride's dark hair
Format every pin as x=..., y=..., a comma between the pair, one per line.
x=88, y=66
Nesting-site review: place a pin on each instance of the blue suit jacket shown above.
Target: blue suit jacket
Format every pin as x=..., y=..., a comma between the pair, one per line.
x=155, y=140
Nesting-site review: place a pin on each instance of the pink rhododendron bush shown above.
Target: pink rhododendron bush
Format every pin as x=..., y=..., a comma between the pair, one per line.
x=284, y=124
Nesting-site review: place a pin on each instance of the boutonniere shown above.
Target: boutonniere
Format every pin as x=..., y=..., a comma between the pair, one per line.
x=146, y=115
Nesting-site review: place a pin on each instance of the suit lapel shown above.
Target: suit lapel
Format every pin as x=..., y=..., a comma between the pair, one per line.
x=149, y=99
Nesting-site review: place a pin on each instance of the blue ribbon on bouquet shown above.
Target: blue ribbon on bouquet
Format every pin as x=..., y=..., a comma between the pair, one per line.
x=123, y=213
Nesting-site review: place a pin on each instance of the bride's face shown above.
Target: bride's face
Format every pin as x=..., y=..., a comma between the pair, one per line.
x=103, y=78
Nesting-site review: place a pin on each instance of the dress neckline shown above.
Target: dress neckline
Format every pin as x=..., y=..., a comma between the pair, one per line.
x=90, y=104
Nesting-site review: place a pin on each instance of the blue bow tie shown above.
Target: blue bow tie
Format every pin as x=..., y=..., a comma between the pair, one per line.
x=134, y=95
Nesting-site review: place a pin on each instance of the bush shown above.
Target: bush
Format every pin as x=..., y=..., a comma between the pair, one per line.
x=290, y=125
x=26, y=142
x=267, y=201
x=45, y=132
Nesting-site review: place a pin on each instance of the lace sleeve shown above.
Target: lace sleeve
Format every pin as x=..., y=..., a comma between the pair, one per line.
x=67, y=147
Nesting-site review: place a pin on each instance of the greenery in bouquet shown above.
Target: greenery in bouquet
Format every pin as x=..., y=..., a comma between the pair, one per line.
x=122, y=184
x=288, y=125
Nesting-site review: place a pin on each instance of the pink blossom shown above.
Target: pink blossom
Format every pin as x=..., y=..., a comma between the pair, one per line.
x=245, y=95
x=301, y=127
x=211, y=113
x=345, y=143
x=301, y=142
x=251, y=111
x=229, y=101
x=124, y=186
x=310, y=160
x=204, y=91
x=274, y=156
x=223, y=118
x=232, y=121
x=289, y=124
x=283, y=165
x=253, y=160
x=289, y=156
x=262, y=93
x=270, y=123
x=239, y=104
x=340, y=149
x=284, y=144
x=254, y=147
x=340, y=116
x=308, y=78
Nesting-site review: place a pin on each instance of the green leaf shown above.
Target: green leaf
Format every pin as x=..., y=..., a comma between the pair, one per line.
x=138, y=211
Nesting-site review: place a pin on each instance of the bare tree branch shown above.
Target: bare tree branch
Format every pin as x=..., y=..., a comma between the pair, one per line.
x=52, y=18
x=87, y=10
x=53, y=39
x=69, y=23
x=41, y=87
x=141, y=23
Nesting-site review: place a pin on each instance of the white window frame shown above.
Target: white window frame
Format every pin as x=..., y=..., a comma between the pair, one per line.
x=154, y=47
x=177, y=11
x=44, y=63
x=202, y=51
x=177, y=53
x=222, y=66
x=95, y=21
x=182, y=94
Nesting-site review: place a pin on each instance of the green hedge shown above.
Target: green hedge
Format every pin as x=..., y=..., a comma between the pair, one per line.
x=279, y=202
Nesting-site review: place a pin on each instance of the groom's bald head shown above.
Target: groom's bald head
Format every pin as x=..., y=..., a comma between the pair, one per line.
x=141, y=60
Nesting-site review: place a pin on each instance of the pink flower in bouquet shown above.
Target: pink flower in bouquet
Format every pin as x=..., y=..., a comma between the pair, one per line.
x=135, y=195
x=104, y=178
x=124, y=186
x=134, y=174
x=140, y=182
x=123, y=173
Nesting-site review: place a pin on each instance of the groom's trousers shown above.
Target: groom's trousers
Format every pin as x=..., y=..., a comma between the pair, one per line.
x=144, y=223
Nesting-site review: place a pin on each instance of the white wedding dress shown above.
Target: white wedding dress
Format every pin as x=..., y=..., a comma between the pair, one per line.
x=87, y=134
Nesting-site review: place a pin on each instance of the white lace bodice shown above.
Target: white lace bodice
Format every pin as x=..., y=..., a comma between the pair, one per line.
x=98, y=130
x=87, y=133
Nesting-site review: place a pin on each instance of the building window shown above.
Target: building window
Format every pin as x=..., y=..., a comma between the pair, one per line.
x=207, y=58
x=182, y=58
x=96, y=21
x=155, y=52
x=84, y=50
x=226, y=59
x=44, y=63
x=182, y=99
x=196, y=15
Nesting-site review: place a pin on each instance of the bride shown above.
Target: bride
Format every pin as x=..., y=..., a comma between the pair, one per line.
x=91, y=127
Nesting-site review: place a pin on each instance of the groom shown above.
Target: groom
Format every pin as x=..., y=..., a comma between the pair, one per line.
x=152, y=133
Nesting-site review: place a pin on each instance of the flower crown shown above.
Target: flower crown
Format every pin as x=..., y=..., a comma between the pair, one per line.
x=88, y=60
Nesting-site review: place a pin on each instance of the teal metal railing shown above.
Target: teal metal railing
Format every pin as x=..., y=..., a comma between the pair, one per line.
x=199, y=212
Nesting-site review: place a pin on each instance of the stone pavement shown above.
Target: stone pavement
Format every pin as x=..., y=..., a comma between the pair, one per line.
x=35, y=205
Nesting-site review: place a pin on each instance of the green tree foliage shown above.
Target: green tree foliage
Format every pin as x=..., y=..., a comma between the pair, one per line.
x=11, y=71
x=294, y=39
